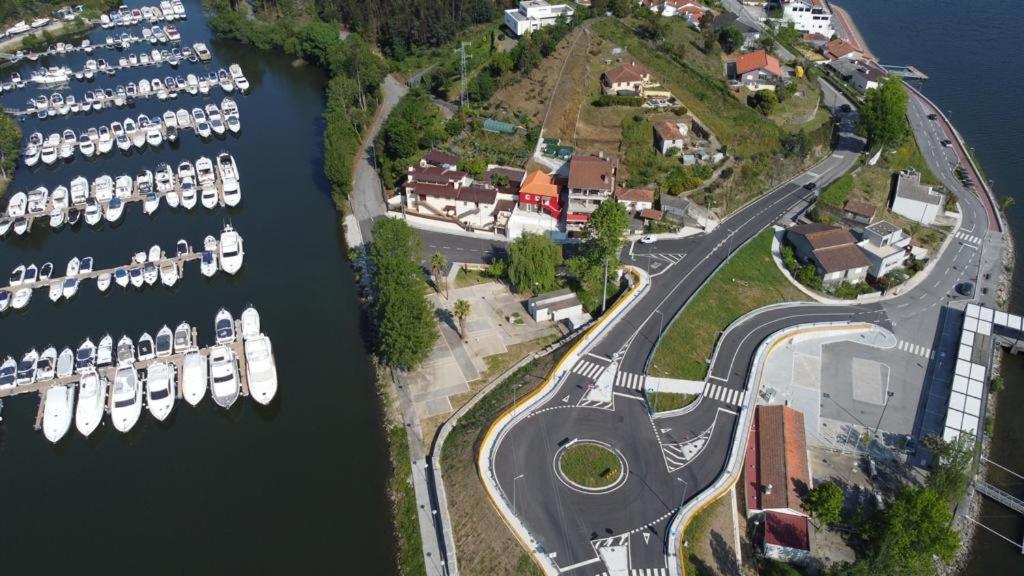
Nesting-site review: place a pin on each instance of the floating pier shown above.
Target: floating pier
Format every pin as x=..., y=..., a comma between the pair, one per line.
x=907, y=72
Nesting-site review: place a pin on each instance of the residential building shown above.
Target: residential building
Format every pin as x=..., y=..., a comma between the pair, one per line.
x=635, y=199
x=629, y=79
x=832, y=250
x=691, y=11
x=539, y=193
x=535, y=14
x=555, y=306
x=683, y=211
x=916, y=201
x=497, y=176
x=750, y=34
x=816, y=40
x=451, y=195
x=886, y=246
x=591, y=181
x=863, y=75
x=811, y=16
x=439, y=159
x=859, y=212
x=839, y=49
x=670, y=135
x=757, y=70
x=787, y=537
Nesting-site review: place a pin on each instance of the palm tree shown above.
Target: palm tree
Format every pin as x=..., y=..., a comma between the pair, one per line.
x=461, y=310
x=438, y=262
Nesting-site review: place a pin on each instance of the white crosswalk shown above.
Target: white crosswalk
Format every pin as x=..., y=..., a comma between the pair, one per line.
x=723, y=394
x=645, y=572
x=629, y=380
x=966, y=237
x=588, y=369
x=915, y=349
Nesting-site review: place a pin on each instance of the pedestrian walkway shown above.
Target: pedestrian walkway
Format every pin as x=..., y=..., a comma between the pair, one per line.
x=629, y=380
x=588, y=369
x=968, y=238
x=645, y=572
x=916, y=349
x=724, y=394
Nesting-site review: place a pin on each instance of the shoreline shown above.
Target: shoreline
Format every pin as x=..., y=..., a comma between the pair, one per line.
x=852, y=33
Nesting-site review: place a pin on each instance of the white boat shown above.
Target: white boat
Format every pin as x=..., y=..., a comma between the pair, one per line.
x=21, y=298
x=215, y=119
x=68, y=143
x=121, y=277
x=46, y=367
x=160, y=389
x=57, y=218
x=17, y=277
x=56, y=291
x=182, y=338
x=135, y=133
x=9, y=371
x=184, y=118
x=105, y=351
x=106, y=140
x=45, y=271
x=114, y=210
x=135, y=276
x=250, y=323
x=228, y=172
x=192, y=84
x=86, y=146
x=51, y=76
x=208, y=264
x=232, y=253
x=125, y=351
x=27, y=368
x=79, y=191
x=121, y=138
x=93, y=212
x=154, y=137
x=32, y=151
x=127, y=398
x=168, y=273
x=65, y=363
x=17, y=205
x=188, y=193
x=261, y=369
x=85, y=266
x=164, y=342
x=194, y=377
x=224, y=327
x=165, y=186
x=224, y=79
x=103, y=281
x=59, y=198
x=223, y=376
x=170, y=119
x=207, y=182
x=92, y=399
x=241, y=82
x=85, y=357
x=202, y=52
x=123, y=187
x=70, y=287
x=49, y=152
x=231, y=117
x=146, y=349
x=57, y=412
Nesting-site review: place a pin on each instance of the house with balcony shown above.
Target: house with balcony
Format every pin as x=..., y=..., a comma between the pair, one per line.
x=452, y=196
x=832, y=250
x=886, y=246
x=809, y=16
x=535, y=14
x=756, y=70
x=591, y=181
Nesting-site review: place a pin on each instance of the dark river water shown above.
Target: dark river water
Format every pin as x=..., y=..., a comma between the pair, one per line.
x=257, y=490
x=965, y=47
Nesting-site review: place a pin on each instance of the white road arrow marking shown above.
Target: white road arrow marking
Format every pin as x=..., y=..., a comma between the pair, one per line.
x=665, y=430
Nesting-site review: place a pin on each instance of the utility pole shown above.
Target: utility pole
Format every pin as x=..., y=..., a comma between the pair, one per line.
x=463, y=57
x=604, y=297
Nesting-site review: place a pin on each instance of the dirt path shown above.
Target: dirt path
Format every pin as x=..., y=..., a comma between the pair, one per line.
x=367, y=200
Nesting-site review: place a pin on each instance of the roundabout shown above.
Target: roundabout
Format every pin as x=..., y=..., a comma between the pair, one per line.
x=590, y=466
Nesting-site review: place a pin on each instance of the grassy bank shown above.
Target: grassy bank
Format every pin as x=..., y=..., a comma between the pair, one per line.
x=749, y=280
x=668, y=401
x=409, y=553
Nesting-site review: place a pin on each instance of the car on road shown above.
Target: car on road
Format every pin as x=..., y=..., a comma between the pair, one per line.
x=933, y=116
x=947, y=143
x=810, y=186
x=648, y=239
x=965, y=288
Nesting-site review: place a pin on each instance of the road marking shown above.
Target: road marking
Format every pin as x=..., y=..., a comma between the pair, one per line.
x=629, y=380
x=915, y=349
x=599, y=357
x=630, y=396
x=588, y=369
x=969, y=238
x=580, y=564
x=724, y=394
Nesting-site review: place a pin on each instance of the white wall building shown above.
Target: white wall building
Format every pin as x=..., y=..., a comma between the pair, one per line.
x=916, y=201
x=885, y=245
x=811, y=16
x=534, y=14
x=558, y=305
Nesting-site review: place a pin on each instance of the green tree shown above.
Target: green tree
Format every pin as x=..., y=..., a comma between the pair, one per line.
x=775, y=568
x=883, y=117
x=605, y=232
x=534, y=259
x=438, y=262
x=730, y=39
x=951, y=465
x=474, y=166
x=405, y=318
x=764, y=101
x=913, y=530
x=10, y=148
x=825, y=503
x=461, y=311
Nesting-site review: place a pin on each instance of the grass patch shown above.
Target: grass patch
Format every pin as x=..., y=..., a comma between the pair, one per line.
x=697, y=532
x=590, y=465
x=498, y=363
x=836, y=193
x=667, y=401
x=749, y=280
x=800, y=110
x=471, y=278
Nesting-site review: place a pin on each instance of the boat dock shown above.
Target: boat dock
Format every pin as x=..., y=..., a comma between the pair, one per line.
x=906, y=72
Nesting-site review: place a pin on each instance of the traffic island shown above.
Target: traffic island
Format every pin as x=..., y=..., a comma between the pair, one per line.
x=591, y=466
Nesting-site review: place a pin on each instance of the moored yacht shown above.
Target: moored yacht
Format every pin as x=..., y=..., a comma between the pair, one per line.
x=160, y=389
x=164, y=342
x=65, y=363
x=46, y=367
x=146, y=349
x=70, y=287
x=228, y=172
x=57, y=412
x=232, y=252
x=260, y=366
x=85, y=358
x=92, y=396
x=194, y=372
x=26, y=373
x=223, y=376
x=105, y=351
x=224, y=327
x=127, y=398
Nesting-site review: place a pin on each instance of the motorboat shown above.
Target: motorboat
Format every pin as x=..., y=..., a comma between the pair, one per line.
x=241, y=82
x=74, y=215
x=33, y=149
x=105, y=351
x=68, y=143
x=208, y=265
x=59, y=198
x=70, y=287
x=93, y=212
x=21, y=225
x=168, y=273
x=45, y=271
x=65, y=363
x=79, y=191
x=49, y=152
x=27, y=368
x=150, y=273
x=184, y=118
x=215, y=119
x=5, y=300
x=164, y=342
x=57, y=216
x=51, y=76
x=223, y=376
x=198, y=117
x=165, y=186
x=106, y=140
x=86, y=146
x=37, y=201
x=121, y=138
x=232, y=252
x=9, y=372
x=92, y=399
x=114, y=210
x=182, y=338
x=231, y=117
x=160, y=389
x=17, y=277
x=170, y=119
x=123, y=187
x=17, y=205
x=135, y=276
x=127, y=398
x=57, y=411
x=85, y=357
x=191, y=84
x=56, y=291
x=125, y=351
x=5, y=225
x=85, y=266
x=21, y=297
x=224, y=327
x=134, y=133
x=188, y=193
x=121, y=277
x=225, y=81
x=146, y=349
x=228, y=172
x=202, y=52
x=154, y=137
x=194, y=376
x=46, y=367
x=172, y=33
x=250, y=323
x=103, y=188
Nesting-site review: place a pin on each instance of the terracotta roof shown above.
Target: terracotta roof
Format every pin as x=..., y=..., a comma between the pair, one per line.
x=758, y=60
x=815, y=37
x=477, y=194
x=782, y=454
x=626, y=74
x=668, y=131
x=651, y=214
x=439, y=158
x=591, y=173
x=539, y=184
x=514, y=175
x=635, y=195
x=434, y=174
x=859, y=208
x=840, y=48
x=787, y=530
x=822, y=235
x=839, y=258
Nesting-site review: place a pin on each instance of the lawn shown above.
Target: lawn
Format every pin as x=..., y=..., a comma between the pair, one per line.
x=471, y=278
x=590, y=465
x=668, y=401
x=801, y=110
x=749, y=280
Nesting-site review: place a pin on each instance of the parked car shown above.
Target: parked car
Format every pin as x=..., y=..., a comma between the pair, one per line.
x=933, y=116
x=810, y=186
x=947, y=143
x=965, y=288
x=648, y=239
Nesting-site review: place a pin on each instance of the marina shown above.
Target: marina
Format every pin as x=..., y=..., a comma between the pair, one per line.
x=247, y=352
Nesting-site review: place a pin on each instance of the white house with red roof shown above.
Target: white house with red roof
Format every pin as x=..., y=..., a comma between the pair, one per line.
x=757, y=70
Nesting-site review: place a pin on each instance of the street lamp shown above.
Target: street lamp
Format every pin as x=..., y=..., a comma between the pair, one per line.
x=888, y=395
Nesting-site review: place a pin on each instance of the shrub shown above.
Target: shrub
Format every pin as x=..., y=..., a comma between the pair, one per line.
x=837, y=192
x=605, y=100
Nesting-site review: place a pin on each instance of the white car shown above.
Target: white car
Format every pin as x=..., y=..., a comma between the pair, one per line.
x=648, y=239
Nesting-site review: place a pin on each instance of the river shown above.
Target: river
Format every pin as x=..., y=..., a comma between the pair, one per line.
x=250, y=490
x=963, y=47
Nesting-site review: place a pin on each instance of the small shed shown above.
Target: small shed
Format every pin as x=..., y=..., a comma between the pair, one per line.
x=558, y=305
x=491, y=125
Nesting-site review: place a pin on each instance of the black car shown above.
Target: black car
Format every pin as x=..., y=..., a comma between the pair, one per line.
x=810, y=186
x=933, y=116
x=947, y=143
x=846, y=108
x=965, y=288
